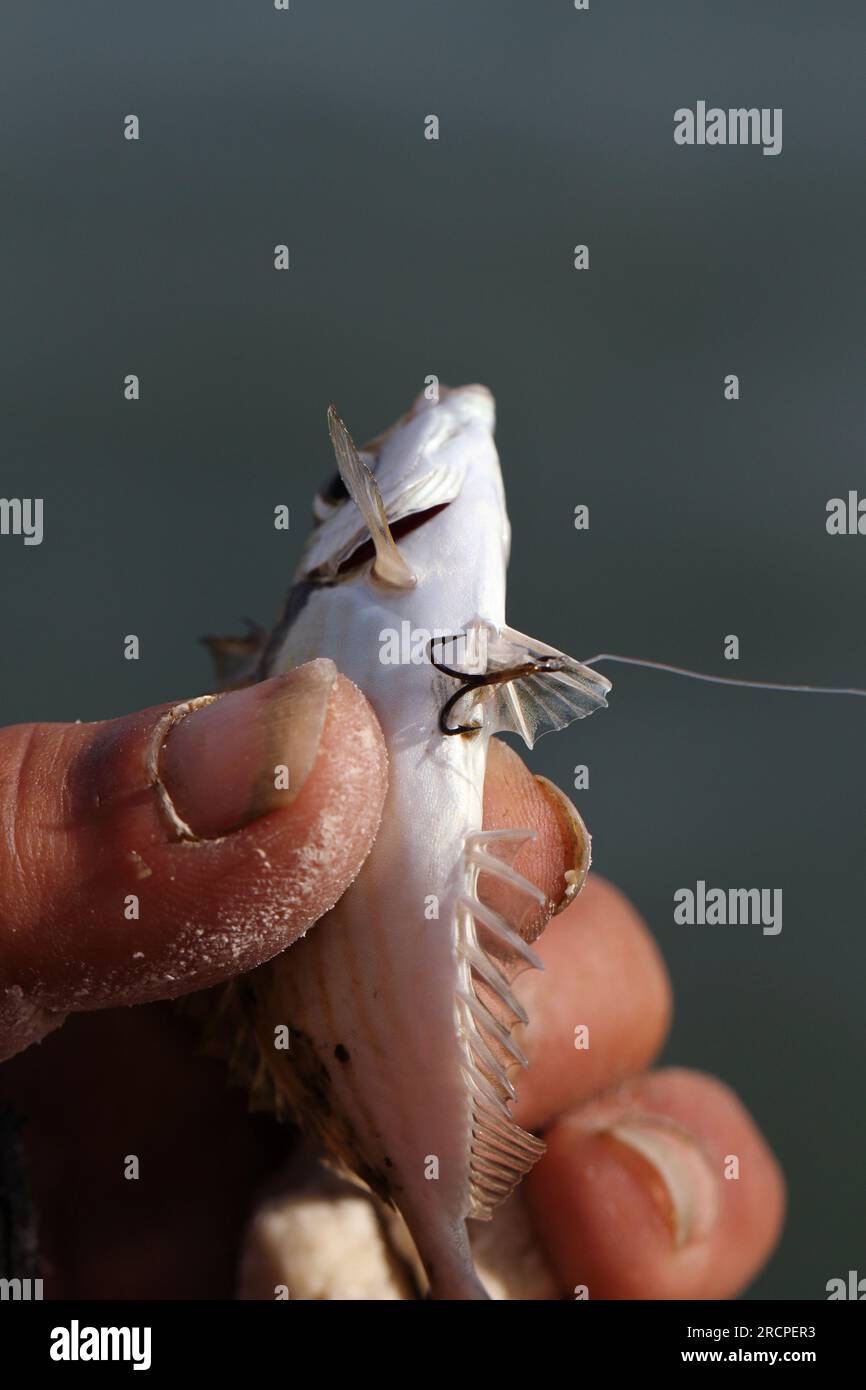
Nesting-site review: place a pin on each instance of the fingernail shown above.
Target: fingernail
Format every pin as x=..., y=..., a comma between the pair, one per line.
x=681, y=1181
x=575, y=836
x=226, y=761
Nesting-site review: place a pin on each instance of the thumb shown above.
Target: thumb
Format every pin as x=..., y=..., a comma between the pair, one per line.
x=157, y=854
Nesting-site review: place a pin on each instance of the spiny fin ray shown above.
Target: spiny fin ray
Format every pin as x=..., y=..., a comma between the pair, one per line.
x=492, y=952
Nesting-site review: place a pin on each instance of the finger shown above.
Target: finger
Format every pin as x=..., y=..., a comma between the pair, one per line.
x=516, y=800
x=157, y=854
x=598, y=1012
x=661, y=1189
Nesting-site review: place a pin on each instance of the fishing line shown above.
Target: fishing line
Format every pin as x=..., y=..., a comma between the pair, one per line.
x=723, y=680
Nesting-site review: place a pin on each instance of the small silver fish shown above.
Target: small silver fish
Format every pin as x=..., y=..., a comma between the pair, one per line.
x=399, y=1003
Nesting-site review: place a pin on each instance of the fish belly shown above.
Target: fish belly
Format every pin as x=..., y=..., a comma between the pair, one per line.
x=376, y=1061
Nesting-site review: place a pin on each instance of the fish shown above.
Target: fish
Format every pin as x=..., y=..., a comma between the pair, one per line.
x=399, y=1003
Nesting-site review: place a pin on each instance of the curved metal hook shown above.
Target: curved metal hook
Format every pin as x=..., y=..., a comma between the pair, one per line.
x=513, y=673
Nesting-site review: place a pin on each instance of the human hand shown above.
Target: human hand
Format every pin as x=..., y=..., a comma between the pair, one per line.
x=120, y=1081
x=638, y=1195
x=631, y=1199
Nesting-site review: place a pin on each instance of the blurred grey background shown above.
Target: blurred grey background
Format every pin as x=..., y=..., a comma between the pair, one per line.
x=410, y=257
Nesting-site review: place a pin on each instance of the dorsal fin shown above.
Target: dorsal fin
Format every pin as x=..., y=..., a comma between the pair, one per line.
x=389, y=565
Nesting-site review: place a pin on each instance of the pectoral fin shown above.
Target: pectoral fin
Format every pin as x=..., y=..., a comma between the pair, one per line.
x=553, y=691
x=389, y=565
x=525, y=688
x=236, y=658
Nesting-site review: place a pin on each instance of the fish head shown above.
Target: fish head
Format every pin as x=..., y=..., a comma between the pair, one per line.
x=439, y=457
